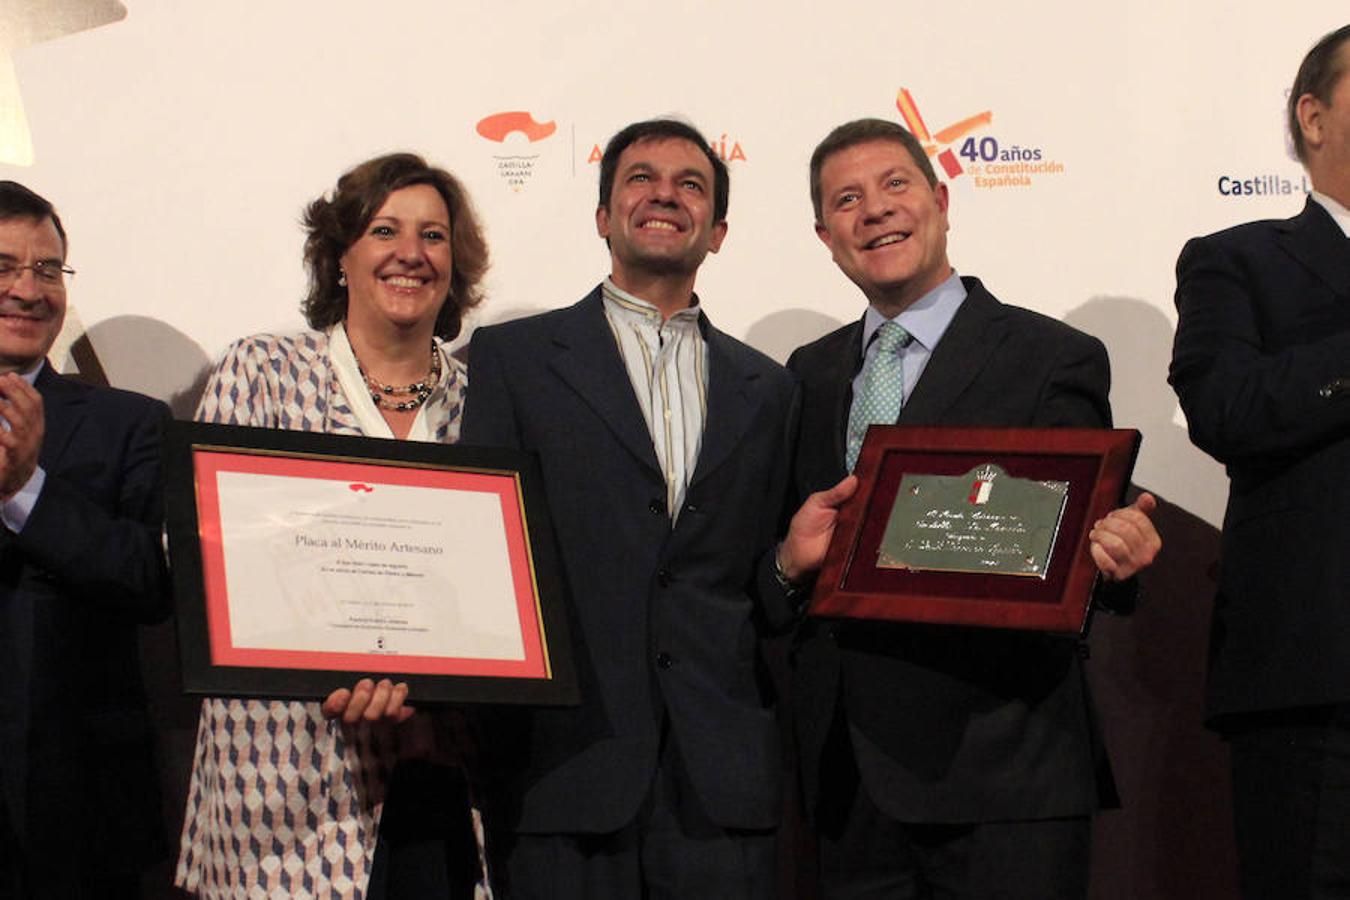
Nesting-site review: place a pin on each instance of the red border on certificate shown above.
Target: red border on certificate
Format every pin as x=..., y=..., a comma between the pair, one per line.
x=208, y=463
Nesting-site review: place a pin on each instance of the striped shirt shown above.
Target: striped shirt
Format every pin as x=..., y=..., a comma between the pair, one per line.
x=667, y=363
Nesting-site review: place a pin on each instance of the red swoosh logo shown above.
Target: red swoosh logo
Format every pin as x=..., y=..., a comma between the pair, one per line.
x=497, y=126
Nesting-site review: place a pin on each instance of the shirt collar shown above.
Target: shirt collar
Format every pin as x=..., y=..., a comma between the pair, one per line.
x=926, y=319
x=1338, y=212
x=31, y=375
x=616, y=298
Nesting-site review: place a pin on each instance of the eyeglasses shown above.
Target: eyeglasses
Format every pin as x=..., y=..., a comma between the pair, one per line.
x=44, y=272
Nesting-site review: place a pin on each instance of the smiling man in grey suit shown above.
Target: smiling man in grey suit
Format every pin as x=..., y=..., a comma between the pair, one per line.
x=938, y=761
x=1261, y=364
x=664, y=445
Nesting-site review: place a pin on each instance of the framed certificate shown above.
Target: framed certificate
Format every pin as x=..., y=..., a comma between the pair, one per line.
x=303, y=561
x=975, y=526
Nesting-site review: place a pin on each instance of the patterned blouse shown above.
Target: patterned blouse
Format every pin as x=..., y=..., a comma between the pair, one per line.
x=283, y=802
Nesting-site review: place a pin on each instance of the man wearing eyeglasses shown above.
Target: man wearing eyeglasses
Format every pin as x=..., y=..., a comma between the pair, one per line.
x=80, y=566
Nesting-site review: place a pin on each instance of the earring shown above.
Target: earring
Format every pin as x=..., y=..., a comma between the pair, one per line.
x=342, y=278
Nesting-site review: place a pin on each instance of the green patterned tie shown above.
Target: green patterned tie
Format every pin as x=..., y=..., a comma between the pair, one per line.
x=881, y=392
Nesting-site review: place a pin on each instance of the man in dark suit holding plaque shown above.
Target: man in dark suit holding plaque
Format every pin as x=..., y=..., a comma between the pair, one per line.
x=1261, y=364
x=663, y=444
x=939, y=761
x=80, y=566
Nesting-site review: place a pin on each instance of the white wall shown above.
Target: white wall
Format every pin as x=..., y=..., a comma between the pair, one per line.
x=181, y=142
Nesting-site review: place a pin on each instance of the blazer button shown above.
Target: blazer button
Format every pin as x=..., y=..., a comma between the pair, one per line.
x=1333, y=387
x=664, y=578
x=657, y=507
x=664, y=660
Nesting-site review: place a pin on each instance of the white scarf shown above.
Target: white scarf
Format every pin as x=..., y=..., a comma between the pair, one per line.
x=343, y=360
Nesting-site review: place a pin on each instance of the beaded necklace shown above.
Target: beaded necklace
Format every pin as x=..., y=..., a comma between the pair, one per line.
x=417, y=393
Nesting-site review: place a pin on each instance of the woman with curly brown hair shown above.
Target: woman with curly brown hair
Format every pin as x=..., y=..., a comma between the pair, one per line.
x=358, y=798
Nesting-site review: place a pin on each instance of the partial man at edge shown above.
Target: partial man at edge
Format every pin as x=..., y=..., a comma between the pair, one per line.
x=1261, y=364
x=81, y=565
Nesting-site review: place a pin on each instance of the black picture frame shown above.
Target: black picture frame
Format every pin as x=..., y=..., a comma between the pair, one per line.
x=188, y=444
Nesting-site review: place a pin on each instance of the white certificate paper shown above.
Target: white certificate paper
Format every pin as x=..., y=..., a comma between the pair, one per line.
x=336, y=566
x=302, y=561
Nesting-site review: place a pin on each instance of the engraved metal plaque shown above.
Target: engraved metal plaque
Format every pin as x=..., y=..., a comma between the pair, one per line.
x=982, y=521
x=1006, y=516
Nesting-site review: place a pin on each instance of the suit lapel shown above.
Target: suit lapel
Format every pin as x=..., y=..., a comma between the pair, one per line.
x=1317, y=242
x=588, y=361
x=61, y=400
x=971, y=338
x=731, y=402
x=842, y=362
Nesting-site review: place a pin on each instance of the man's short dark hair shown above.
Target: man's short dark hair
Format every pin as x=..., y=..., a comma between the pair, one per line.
x=1318, y=74
x=18, y=202
x=863, y=131
x=660, y=130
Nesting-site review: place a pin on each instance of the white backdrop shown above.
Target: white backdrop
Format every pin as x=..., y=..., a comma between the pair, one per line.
x=180, y=141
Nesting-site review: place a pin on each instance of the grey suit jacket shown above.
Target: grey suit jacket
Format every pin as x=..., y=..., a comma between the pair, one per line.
x=666, y=617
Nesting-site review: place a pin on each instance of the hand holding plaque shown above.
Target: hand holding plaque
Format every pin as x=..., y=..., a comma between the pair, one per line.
x=811, y=531
x=1126, y=541
x=986, y=527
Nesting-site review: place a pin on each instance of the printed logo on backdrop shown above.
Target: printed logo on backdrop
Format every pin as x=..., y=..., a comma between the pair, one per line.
x=727, y=148
x=1282, y=179
x=24, y=23
x=520, y=131
x=514, y=128
x=971, y=146
x=1271, y=184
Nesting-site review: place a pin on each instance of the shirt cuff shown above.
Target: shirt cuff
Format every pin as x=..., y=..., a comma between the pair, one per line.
x=15, y=511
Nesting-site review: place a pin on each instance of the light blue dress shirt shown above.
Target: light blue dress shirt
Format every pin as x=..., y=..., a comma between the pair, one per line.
x=926, y=320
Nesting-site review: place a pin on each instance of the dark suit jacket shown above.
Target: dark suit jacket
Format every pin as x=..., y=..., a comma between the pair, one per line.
x=664, y=616
x=950, y=724
x=75, y=741
x=1262, y=366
